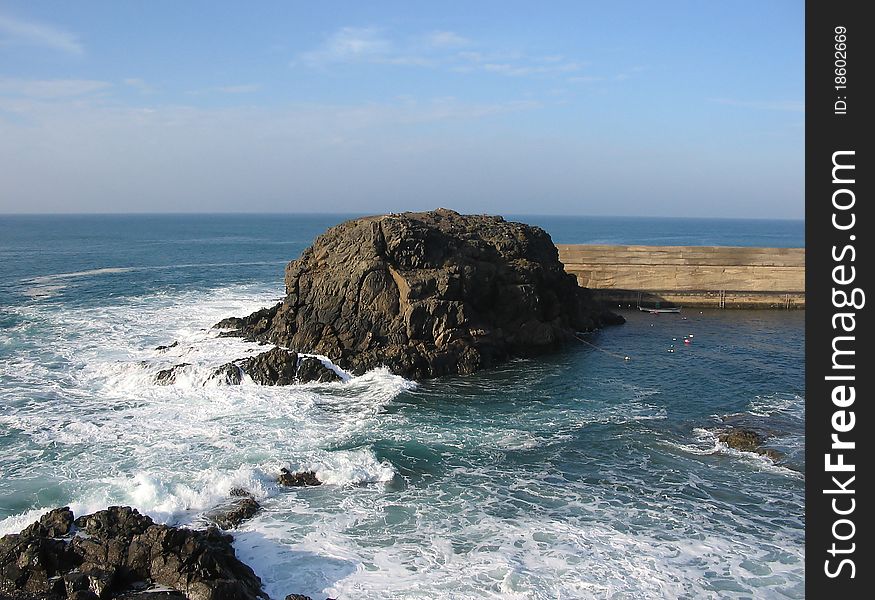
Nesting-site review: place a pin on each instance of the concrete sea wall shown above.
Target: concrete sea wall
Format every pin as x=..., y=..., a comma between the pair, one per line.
x=700, y=276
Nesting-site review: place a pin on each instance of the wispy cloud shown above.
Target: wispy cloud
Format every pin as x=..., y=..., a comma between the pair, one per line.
x=18, y=32
x=514, y=64
x=437, y=49
x=446, y=39
x=139, y=84
x=521, y=69
x=349, y=44
x=779, y=105
x=50, y=88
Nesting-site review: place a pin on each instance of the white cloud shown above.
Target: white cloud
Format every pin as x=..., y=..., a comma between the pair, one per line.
x=50, y=88
x=446, y=39
x=436, y=50
x=348, y=44
x=31, y=33
x=514, y=64
x=139, y=84
x=523, y=69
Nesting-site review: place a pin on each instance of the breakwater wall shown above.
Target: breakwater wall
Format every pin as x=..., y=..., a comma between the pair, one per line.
x=695, y=276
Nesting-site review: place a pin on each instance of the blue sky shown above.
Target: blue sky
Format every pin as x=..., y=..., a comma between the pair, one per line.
x=668, y=108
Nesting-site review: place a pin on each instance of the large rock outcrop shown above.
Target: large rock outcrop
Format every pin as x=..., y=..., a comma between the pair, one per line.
x=426, y=294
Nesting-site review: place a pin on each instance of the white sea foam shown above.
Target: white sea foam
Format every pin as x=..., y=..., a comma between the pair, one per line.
x=778, y=403
x=179, y=448
x=86, y=273
x=472, y=552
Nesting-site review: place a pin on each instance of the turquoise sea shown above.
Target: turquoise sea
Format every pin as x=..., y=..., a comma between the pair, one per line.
x=575, y=475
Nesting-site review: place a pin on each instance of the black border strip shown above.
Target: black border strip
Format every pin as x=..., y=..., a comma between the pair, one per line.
x=838, y=37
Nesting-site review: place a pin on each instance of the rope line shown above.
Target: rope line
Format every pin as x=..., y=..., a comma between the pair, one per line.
x=608, y=352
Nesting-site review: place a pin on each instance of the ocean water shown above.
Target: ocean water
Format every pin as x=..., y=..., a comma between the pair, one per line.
x=575, y=475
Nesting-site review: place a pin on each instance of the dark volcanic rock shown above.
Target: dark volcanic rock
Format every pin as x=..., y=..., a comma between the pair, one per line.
x=748, y=440
x=166, y=348
x=256, y=324
x=276, y=367
x=168, y=376
x=232, y=515
x=32, y=561
x=302, y=479
x=117, y=522
x=426, y=294
x=229, y=374
x=57, y=522
x=312, y=369
x=121, y=553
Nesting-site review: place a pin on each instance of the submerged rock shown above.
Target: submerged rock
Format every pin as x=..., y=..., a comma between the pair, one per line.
x=301, y=479
x=426, y=294
x=168, y=376
x=748, y=440
x=234, y=513
x=166, y=348
x=276, y=367
x=122, y=554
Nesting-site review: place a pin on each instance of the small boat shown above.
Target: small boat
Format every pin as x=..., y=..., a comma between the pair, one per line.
x=655, y=311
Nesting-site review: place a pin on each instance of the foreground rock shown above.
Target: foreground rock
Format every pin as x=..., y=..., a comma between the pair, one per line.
x=120, y=554
x=748, y=440
x=276, y=367
x=426, y=294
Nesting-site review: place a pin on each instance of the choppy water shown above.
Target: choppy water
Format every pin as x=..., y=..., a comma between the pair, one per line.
x=577, y=475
